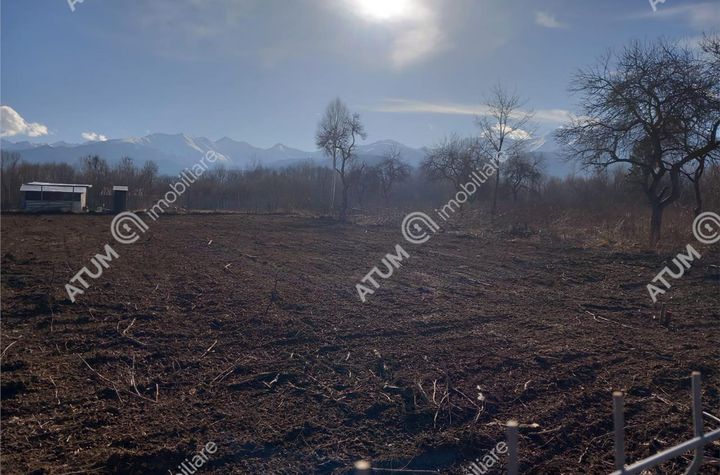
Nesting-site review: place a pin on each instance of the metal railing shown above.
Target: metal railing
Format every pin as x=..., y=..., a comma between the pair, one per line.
x=697, y=443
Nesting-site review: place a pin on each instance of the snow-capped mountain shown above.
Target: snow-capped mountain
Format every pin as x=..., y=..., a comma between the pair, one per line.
x=173, y=152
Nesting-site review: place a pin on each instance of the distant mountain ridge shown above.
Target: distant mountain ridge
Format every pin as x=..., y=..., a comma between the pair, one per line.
x=174, y=152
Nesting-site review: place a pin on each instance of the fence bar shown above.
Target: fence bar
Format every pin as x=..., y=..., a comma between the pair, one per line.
x=670, y=453
x=697, y=423
x=619, y=424
x=512, y=441
x=362, y=467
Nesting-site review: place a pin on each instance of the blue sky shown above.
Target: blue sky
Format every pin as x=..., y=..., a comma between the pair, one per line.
x=263, y=70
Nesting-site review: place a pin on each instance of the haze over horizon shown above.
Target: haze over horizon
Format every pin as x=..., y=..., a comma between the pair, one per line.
x=416, y=70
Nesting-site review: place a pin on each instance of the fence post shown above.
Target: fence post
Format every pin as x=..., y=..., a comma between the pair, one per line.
x=512, y=441
x=619, y=423
x=697, y=423
x=362, y=467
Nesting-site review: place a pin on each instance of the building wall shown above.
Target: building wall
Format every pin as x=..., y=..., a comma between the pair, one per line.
x=45, y=205
x=54, y=201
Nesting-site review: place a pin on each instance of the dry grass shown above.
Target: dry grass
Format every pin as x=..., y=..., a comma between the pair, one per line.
x=611, y=228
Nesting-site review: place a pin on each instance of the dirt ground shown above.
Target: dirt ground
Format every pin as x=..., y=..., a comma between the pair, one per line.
x=247, y=331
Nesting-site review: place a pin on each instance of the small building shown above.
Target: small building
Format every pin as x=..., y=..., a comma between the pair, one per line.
x=40, y=196
x=119, y=198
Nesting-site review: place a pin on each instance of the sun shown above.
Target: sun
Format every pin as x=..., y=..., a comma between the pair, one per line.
x=383, y=10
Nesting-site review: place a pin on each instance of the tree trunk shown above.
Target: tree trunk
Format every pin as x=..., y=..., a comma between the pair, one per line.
x=343, y=209
x=495, y=191
x=332, y=192
x=696, y=186
x=655, y=223
x=698, y=198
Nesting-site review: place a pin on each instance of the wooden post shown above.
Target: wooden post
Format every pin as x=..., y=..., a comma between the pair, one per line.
x=512, y=441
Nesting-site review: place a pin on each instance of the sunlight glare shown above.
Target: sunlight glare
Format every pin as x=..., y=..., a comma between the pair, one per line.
x=383, y=10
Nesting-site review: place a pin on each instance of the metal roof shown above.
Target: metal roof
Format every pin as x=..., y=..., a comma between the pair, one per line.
x=58, y=187
x=58, y=184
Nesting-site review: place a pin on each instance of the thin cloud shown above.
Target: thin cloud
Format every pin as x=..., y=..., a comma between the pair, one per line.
x=548, y=20
x=12, y=123
x=408, y=106
x=700, y=16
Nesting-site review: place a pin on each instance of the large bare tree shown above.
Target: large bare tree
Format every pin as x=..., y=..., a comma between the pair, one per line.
x=503, y=126
x=654, y=108
x=337, y=136
x=710, y=46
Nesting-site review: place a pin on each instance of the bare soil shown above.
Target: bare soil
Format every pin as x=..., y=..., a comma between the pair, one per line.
x=258, y=342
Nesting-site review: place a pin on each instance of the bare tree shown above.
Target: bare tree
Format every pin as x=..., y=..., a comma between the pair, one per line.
x=454, y=159
x=96, y=172
x=391, y=170
x=710, y=45
x=656, y=109
x=523, y=171
x=359, y=178
x=503, y=127
x=126, y=171
x=10, y=183
x=337, y=135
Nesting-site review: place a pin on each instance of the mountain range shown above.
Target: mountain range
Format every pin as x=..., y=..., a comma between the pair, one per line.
x=174, y=152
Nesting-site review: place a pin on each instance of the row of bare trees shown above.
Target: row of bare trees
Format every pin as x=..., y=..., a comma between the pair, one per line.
x=504, y=133
x=388, y=184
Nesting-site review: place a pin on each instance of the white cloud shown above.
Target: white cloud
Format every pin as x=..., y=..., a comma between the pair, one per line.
x=409, y=106
x=11, y=124
x=93, y=137
x=548, y=20
x=515, y=134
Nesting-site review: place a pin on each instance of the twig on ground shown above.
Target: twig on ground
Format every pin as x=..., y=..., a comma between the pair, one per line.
x=595, y=317
x=56, y=390
x=7, y=348
x=208, y=350
x=112, y=384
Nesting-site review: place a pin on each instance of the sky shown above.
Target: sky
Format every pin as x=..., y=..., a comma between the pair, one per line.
x=264, y=70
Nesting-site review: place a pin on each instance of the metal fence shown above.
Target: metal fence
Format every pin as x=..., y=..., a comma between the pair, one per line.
x=696, y=444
